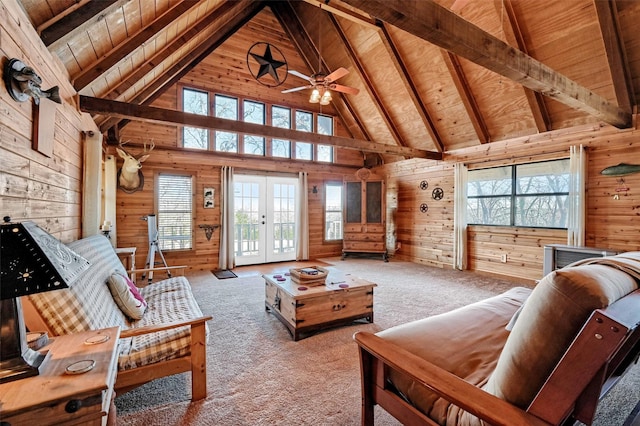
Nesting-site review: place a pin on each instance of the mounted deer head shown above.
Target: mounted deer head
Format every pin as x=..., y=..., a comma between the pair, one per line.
x=130, y=177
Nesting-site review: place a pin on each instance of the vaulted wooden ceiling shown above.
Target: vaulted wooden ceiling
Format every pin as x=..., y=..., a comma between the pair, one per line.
x=433, y=75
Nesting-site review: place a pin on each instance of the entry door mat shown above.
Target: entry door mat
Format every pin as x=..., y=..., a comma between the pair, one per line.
x=223, y=274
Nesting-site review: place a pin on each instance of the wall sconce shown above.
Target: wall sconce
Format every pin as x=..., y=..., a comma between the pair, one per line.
x=22, y=83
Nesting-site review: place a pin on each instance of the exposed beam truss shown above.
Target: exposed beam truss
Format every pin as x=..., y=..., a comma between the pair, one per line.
x=438, y=25
x=164, y=116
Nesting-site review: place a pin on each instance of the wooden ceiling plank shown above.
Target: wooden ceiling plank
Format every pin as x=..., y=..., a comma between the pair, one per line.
x=240, y=14
x=536, y=102
x=290, y=22
x=430, y=21
x=205, y=24
x=405, y=76
x=616, y=54
x=61, y=28
x=368, y=84
x=91, y=73
x=163, y=116
x=467, y=98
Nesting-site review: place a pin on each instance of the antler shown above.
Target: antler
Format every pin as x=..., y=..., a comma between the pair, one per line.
x=153, y=145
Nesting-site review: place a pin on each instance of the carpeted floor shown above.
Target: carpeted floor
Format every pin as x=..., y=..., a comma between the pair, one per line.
x=258, y=376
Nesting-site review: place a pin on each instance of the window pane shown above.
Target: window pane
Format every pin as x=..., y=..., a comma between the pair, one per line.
x=325, y=153
x=548, y=211
x=281, y=117
x=325, y=125
x=254, y=145
x=281, y=148
x=489, y=211
x=333, y=211
x=174, y=212
x=304, y=151
x=304, y=121
x=495, y=181
x=195, y=102
x=253, y=112
x=226, y=141
x=543, y=178
x=226, y=107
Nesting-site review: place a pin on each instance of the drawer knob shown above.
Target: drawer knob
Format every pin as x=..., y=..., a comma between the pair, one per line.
x=73, y=406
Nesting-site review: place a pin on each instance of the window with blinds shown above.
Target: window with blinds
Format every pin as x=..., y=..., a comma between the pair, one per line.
x=175, y=206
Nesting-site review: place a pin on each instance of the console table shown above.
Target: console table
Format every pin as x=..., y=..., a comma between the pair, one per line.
x=55, y=397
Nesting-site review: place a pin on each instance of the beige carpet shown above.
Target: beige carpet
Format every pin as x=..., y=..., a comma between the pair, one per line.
x=258, y=376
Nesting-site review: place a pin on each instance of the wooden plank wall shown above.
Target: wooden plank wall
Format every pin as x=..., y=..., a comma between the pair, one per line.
x=33, y=186
x=612, y=222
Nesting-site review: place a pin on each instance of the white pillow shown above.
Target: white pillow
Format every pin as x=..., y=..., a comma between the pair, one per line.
x=127, y=296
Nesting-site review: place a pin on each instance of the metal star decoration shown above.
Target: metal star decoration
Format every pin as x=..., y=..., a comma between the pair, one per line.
x=268, y=64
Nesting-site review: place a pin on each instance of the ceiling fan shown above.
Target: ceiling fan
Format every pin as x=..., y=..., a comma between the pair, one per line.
x=322, y=84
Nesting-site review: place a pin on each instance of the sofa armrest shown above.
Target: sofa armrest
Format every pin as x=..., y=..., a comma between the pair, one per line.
x=447, y=385
x=131, y=332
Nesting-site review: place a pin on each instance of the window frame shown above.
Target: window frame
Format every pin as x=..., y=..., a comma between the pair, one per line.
x=513, y=196
x=328, y=155
x=326, y=211
x=191, y=212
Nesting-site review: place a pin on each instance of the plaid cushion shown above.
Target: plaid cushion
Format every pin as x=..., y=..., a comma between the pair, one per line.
x=87, y=304
x=168, y=301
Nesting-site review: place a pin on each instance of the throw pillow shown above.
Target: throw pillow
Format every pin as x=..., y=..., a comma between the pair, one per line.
x=127, y=296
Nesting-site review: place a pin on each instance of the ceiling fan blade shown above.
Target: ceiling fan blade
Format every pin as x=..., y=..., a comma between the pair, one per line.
x=299, y=74
x=344, y=89
x=340, y=72
x=296, y=89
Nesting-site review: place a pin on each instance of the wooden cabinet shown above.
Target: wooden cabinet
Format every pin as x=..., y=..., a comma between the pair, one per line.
x=364, y=214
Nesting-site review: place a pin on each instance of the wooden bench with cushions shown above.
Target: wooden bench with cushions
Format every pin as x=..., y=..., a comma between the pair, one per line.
x=521, y=358
x=169, y=337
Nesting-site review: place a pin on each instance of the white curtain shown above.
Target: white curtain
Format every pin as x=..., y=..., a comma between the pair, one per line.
x=459, y=217
x=227, y=259
x=302, y=219
x=577, y=197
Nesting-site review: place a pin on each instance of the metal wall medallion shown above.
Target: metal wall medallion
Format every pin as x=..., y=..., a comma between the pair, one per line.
x=437, y=193
x=267, y=64
x=424, y=185
x=424, y=208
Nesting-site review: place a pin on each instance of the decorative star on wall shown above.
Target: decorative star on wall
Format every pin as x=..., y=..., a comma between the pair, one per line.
x=268, y=68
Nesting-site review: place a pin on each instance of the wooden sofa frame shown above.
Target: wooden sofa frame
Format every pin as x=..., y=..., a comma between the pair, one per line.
x=606, y=346
x=195, y=362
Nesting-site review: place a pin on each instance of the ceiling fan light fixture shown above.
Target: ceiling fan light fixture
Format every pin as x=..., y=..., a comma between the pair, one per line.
x=315, y=96
x=326, y=98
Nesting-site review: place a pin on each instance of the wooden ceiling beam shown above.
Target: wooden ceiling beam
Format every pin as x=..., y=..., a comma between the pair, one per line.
x=616, y=53
x=240, y=13
x=414, y=95
x=207, y=24
x=368, y=84
x=290, y=22
x=467, y=98
x=438, y=25
x=344, y=12
x=57, y=31
x=166, y=116
x=536, y=102
x=103, y=64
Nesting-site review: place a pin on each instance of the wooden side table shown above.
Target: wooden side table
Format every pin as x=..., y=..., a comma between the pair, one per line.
x=55, y=397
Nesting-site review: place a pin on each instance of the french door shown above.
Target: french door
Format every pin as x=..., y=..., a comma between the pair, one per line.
x=265, y=214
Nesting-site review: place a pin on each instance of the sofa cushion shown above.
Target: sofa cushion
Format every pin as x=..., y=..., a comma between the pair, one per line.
x=168, y=301
x=549, y=321
x=87, y=304
x=466, y=342
x=127, y=296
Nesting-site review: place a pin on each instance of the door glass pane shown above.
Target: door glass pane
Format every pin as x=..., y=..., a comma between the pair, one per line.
x=284, y=218
x=374, y=202
x=354, y=202
x=247, y=218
